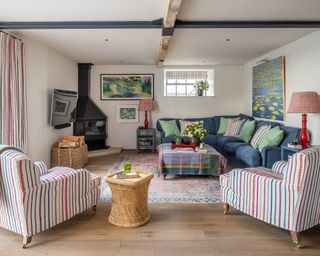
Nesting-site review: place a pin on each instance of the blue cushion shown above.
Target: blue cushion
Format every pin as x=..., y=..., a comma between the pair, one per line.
x=223, y=140
x=290, y=133
x=212, y=140
x=249, y=156
x=167, y=139
x=208, y=123
x=231, y=148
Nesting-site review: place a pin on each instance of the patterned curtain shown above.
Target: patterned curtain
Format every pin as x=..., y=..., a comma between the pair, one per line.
x=13, y=119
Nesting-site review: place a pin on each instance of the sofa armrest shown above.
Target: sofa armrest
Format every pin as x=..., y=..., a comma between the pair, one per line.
x=270, y=155
x=41, y=167
x=280, y=167
x=241, y=178
x=71, y=178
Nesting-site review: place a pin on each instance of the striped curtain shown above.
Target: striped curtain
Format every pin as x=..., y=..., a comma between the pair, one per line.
x=13, y=120
x=187, y=74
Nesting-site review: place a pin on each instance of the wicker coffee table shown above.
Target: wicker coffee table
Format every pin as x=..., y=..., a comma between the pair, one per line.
x=129, y=200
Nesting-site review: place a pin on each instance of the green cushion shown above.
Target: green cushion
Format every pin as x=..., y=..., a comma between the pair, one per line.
x=272, y=138
x=247, y=130
x=224, y=124
x=169, y=127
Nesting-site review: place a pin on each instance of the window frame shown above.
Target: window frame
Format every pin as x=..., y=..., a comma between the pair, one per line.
x=210, y=79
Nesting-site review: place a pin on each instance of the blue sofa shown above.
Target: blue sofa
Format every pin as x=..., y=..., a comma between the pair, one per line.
x=238, y=153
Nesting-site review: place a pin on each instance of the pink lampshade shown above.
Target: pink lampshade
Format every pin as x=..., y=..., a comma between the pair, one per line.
x=304, y=102
x=146, y=105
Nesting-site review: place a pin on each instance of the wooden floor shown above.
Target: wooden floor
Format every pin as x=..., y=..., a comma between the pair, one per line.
x=174, y=229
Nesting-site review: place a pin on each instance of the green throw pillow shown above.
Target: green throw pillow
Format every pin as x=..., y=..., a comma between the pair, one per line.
x=247, y=130
x=272, y=138
x=224, y=124
x=169, y=127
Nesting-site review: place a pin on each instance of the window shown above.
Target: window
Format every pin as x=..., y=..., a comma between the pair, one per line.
x=180, y=82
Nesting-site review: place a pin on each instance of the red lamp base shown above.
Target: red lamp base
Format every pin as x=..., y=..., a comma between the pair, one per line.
x=146, y=124
x=304, y=136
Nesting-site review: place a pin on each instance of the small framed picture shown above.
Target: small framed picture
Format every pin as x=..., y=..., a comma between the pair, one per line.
x=127, y=114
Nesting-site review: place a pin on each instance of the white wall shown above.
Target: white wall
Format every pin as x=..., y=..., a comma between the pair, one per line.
x=227, y=99
x=46, y=70
x=302, y=60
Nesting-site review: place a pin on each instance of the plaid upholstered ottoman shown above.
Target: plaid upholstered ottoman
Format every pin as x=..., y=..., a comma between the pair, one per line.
x=180, y=162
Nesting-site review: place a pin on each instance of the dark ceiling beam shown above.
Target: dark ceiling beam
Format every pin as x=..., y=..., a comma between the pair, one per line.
x=83, y=24
x=179, y=24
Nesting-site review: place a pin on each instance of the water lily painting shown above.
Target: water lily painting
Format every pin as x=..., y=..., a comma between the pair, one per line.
x=126, y=87
x=268, y=94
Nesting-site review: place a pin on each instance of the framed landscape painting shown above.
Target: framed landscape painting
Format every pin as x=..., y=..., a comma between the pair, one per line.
x=126, y=87
x=268, y=92
x=127, y=114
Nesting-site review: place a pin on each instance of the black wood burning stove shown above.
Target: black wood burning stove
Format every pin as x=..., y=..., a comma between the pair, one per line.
x=90, y=122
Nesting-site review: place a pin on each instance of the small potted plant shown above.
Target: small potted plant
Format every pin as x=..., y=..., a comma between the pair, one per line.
x=127, y=167
x=201, y=86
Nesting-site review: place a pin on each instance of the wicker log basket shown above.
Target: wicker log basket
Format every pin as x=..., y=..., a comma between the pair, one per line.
x=74, y=155
x=129, y=200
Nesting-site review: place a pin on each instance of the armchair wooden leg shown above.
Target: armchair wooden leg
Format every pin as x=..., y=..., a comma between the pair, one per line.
x=26, y=241
x=226, y=208
x=296, y=238
x=94, y=208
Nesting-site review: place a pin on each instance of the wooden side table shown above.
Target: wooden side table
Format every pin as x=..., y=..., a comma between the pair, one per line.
x=287, y=151
x=129, y=200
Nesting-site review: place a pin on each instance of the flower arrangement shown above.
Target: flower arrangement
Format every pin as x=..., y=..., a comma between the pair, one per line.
x=195, y=130
x=201, y=85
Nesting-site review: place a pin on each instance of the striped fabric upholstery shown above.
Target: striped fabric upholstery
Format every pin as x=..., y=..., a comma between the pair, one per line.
x=290, y=200
x=13, y=95
x=279, y=166
x=258, y=135
x=41, y=167
x=31, y=203
x=234, y=127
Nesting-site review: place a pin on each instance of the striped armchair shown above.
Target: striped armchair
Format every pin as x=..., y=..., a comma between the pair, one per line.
x=287, y=196
x=34, y=198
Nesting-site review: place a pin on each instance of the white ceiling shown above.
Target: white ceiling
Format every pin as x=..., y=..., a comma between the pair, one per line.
x=141, y=46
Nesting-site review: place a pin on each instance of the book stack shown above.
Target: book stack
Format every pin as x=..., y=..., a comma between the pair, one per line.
x=127, y=175
x=184, y=150
x=201, y=150
x=296, y=146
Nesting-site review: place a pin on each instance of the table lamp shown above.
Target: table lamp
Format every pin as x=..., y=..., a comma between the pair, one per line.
x=304, y=102
x=146, y=105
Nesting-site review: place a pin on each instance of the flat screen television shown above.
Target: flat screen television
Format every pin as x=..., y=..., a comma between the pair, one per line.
x=63, y=108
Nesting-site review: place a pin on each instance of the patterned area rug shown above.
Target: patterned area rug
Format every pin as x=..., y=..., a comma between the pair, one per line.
x=174, y=189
